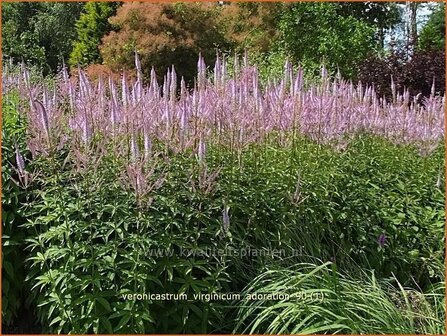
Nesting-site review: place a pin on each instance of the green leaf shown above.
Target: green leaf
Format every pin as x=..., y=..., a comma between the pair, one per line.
x=9, y=269
x=104, y=321
x=104, y=303
x=124, y=320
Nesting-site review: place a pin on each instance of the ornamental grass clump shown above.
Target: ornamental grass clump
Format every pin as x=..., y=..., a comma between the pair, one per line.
x=317, y=299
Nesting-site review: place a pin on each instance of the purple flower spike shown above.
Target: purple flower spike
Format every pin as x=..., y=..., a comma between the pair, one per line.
x=20, y=162
x=147, y=144
x=201, y=150
x=138, y=66
x=438, y=181
x=226, y=219
x=381, y=240
x=43, y=115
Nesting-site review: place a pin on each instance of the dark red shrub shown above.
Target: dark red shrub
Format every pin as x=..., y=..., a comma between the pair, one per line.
x=422, y=69
x=415, y=73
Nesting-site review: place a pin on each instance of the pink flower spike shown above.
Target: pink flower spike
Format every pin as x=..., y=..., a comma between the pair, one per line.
x=226, y=219
x=201, y=152
x=40, y=109
x=20, y=162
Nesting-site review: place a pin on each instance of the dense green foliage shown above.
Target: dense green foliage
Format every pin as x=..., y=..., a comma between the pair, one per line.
x=433, y=34
x=340, y=34
x=91, y=26
x=314, y=32
x=90, y=218
x=383, y=16
x=13, y=273
x=308, y=33
x=39, y=33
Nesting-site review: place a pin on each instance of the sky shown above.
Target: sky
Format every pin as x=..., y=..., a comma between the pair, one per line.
x=423, y=14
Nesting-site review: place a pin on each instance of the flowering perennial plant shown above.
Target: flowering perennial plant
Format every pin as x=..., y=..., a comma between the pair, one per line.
x=100, y=174
x=230, y=108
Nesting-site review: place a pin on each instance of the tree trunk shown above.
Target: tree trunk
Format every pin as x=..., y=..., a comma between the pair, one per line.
x=413, y=23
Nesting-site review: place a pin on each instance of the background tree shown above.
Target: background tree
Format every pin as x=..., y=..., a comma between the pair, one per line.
x=383, y=16
x=18, y=39
x=39, y=33
x=413, y=24
x=306, y=32
x=91, y=26
x=252, y=26
x=164, y=35
x=432, y=35
x=316, y=32
x=416, y=73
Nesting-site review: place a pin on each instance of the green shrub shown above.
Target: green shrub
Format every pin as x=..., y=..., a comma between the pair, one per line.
x=92, y=237
x=13, y=197
x=91, y=26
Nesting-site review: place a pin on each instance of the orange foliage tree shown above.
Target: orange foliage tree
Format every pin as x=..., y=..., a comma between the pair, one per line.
x=164, y=34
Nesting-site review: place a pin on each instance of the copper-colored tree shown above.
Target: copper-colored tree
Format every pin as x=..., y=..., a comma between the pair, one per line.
x=164, y=35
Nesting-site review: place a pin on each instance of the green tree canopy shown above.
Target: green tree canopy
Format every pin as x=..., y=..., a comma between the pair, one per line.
x=39, y=33
x=91, y=26
x=432, y=35
x=316, y=32
x=382, y=16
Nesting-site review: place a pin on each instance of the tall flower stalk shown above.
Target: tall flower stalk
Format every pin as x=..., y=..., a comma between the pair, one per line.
x=233, y=111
